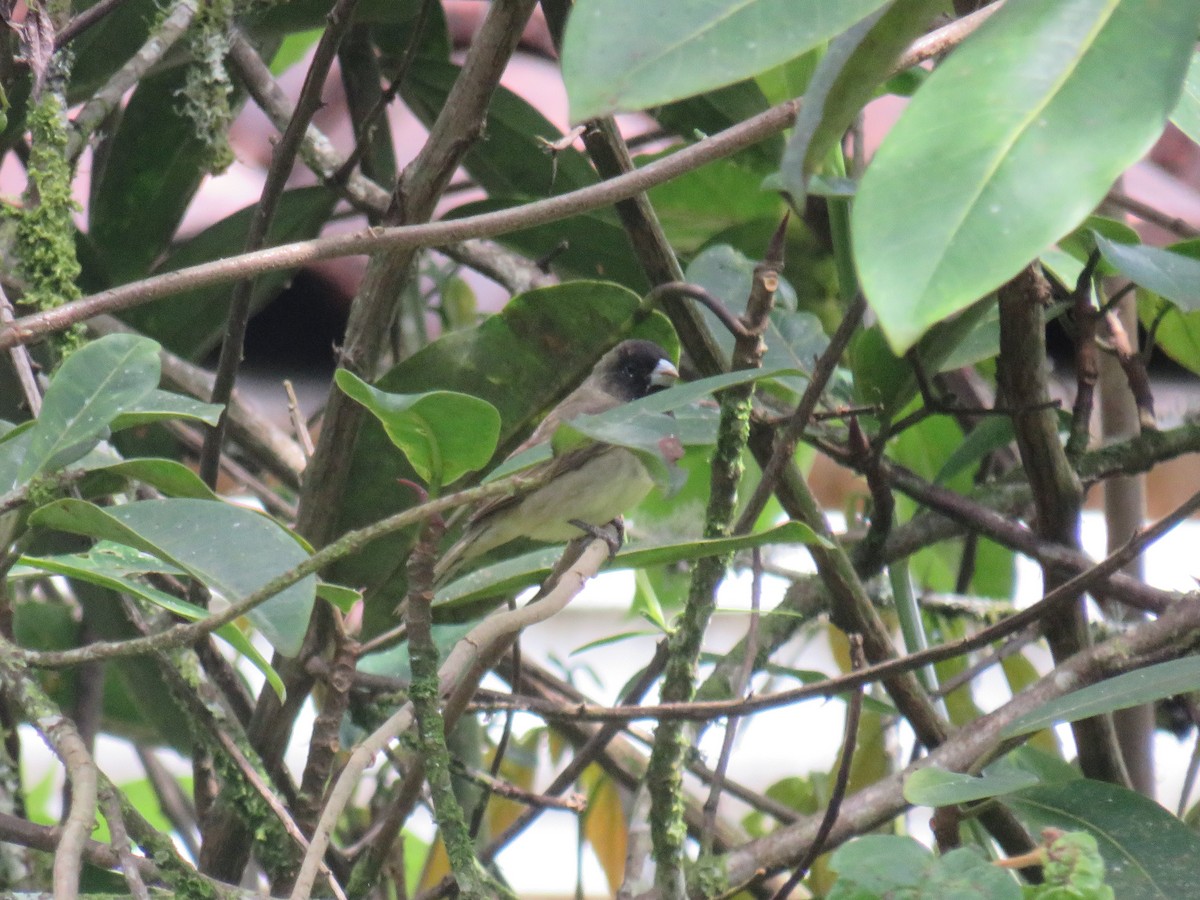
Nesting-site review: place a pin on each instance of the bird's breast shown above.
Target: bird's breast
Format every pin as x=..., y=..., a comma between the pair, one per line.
x=605, y=486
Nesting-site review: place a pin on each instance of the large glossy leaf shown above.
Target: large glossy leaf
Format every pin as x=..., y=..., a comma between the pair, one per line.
x=1179, y=676
x=443, y=434
x=91, y=388
x=231, y=550
x=1148, y=853
x=623, y=55
x=190, y=324
x=155, y=165
x=514, y=574
x=522, y=361
x=115, y=566
x=845, y=80
x=1173, y=276
x=932, y=786
x=956, y=202
x=1187, y=113
x=878, y=866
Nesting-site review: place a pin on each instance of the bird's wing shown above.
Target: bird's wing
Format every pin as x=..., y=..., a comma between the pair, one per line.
x=544, y=470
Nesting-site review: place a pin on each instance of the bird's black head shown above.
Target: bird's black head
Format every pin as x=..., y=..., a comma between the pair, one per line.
x=635, y=369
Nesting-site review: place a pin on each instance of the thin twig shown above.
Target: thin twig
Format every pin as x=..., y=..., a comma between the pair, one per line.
x=840, y=782
x=786, y=440
x=282, y=159
x=85, y=20
x=105, y=100
x=111, y=808
x=22, y=362
x=714, y=304
x=299, y=426
x=739, y=688
x=459, y=669
x=702, y=711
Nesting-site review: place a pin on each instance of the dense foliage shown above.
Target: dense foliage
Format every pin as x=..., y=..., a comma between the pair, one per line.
x=187, y=576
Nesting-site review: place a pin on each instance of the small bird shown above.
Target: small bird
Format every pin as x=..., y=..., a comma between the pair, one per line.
x=592, y=484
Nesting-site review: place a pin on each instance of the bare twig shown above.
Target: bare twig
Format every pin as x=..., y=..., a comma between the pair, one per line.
x=840, y=781
x=740, y=686
x=22, y=362
x=111, y=808
x=85, y=20
x=460, y=668
x=299, y=426
x=161, y=39
x=283, y=157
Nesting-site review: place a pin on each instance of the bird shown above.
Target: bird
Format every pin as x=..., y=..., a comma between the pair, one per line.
x=590, y=485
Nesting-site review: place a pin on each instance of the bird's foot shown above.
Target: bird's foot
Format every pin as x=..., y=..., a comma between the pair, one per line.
x=604, y=533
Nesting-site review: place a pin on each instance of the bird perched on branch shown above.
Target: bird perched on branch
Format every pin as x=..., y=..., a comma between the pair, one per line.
x=592, y=484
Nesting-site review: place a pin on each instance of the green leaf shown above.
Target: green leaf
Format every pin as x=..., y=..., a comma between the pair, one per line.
x=1177, y=333
x=521, y=571
x=1173, y=276
x=1179, y=676
x=646, y=413
x=156, y=165
x=1187, y=112
x=877, y=866
x=104, y=47
x=166, y=475
x=1147, y=851
x=626, y=55
x=703, y=203
x=339, y=595
x=955, y=203
x=231, y=550
x=293, y=48
x=163, y=406
x=110, y=565
x=444, y=434
x=92, y=387
x=993, y=433
x=845, y=80
x=931, y=786
x=794, y=339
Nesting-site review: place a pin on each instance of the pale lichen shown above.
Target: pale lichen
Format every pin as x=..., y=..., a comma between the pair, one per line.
x=208, y=90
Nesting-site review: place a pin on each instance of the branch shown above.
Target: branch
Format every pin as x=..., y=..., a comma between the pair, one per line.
x=875, y=805
x=461, y=661
x=1057, y=492
x=108, y=98
x=282, y=159
x=664, y=777
x=351, y=542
